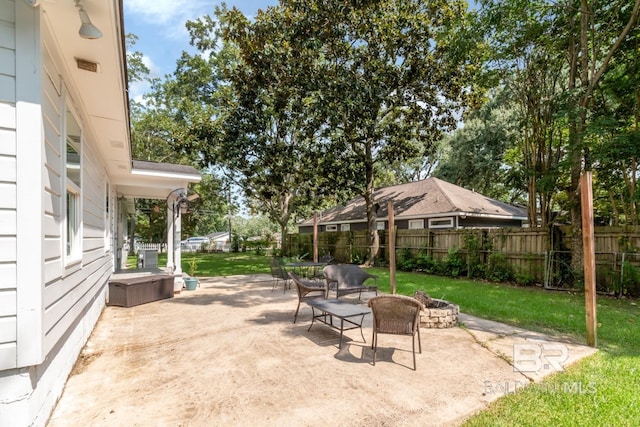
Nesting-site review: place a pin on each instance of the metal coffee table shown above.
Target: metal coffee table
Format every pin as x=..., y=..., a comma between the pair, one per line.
x=325, y=310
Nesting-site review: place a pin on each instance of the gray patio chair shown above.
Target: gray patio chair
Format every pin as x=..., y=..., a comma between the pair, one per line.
x=307, y=289
x=348, y=279
x=396, y=315
x=278, y=273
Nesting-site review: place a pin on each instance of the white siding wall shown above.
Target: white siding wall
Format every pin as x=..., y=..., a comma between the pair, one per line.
x=8, y=305
x=72, y=287
x=47, y=309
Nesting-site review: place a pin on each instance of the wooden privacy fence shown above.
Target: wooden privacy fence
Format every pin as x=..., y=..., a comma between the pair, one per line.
x=542, y=255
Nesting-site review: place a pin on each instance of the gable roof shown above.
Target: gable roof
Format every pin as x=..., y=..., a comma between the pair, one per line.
x=431, y=197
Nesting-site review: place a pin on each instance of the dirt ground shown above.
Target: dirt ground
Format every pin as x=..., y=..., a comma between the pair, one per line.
x=228, y=354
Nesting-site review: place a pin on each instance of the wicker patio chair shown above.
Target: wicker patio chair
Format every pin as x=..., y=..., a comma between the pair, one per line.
x=307, y=289
x=278, y=273
x=397, y=315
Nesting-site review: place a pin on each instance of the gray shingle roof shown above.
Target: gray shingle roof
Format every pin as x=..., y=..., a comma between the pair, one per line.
x=426, y=198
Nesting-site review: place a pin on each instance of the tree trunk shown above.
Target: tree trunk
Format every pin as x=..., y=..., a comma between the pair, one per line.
x=373, y=241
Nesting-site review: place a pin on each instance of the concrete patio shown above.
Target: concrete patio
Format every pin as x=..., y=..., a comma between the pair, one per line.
x=229, y=354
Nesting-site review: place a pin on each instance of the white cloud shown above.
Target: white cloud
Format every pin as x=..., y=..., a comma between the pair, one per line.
x=162, y=12
x=154, y=70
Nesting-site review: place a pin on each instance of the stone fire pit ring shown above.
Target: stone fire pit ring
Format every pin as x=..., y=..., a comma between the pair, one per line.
x=438, y=313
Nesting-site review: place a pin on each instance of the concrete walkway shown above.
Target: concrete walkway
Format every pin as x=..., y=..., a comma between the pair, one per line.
x=228, y=354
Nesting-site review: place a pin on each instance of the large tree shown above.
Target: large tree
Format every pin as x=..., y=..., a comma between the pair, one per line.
x=249, y=110
x=585, y=37
x=475, y=155
x=157, y=136
x=390, y=76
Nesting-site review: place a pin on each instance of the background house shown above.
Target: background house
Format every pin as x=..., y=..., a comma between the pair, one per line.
x=429, y=203
x=67, y=182
x=220, y=241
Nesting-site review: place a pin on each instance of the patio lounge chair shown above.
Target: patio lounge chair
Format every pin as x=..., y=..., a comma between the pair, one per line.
x=397, y=315
x=348, y=279
x=278, y=273
x=307, y=289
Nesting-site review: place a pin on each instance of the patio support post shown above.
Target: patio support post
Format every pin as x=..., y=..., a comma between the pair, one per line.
x=315, y=237
x=170, y=240
x=176, y=243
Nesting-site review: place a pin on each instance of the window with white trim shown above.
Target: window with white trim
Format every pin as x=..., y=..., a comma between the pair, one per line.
x=73, y=184
x=345, y=227
x=107, y=218
x=380, y=225
x=441, y=222
x=416, y=224
x=331, y=228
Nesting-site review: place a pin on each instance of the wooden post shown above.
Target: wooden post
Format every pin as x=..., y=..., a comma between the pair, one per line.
x=392, y=248
x=315, y=237
x=588, y=243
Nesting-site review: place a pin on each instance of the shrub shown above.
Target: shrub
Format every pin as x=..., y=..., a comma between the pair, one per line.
x=454, y=265
x=474, y=246
x=630, y=280
x=407, y=262
x=525, y=279
x=427, y=264
x=499, y=269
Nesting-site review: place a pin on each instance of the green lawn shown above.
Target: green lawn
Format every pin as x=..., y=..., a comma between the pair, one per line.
x=601, y=390
x=217, y=264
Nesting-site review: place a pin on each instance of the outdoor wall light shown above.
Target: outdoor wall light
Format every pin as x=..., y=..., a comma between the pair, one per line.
x=87, y=30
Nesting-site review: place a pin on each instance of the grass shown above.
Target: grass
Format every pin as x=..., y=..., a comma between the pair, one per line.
x=600, y=390
x=217, y=264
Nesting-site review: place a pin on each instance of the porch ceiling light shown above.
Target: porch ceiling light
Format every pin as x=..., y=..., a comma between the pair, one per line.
x=87, y=29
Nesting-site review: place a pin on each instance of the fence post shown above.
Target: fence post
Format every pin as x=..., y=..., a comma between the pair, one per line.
x=588, y=242
x=392, y=248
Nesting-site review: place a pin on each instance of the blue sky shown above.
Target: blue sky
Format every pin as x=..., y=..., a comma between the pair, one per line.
x=159, y=25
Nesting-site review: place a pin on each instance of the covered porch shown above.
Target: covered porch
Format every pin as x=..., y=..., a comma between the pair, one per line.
x=150, y=180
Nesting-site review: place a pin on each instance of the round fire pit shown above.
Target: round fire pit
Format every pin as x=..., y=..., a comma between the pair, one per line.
x=438, y=314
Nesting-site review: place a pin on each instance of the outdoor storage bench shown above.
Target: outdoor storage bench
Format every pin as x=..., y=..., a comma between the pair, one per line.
x=130, y=292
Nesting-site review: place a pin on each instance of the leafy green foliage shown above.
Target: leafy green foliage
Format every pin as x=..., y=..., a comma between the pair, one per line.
x=499, y=269
x=453, y=264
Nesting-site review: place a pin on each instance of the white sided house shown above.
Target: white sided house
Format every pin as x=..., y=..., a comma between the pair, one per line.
x=66, y=180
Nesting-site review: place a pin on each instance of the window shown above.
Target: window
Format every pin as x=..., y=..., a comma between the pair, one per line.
x=345, y=227
x=441, y=222
x=380, y=225
x=416, y=224
x=332, y=228
x=107, y=218
x=73, y=185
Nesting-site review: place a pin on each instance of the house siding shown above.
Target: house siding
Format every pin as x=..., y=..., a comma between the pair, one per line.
x=70, y=287
x=8, y=300
x=47, y=308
